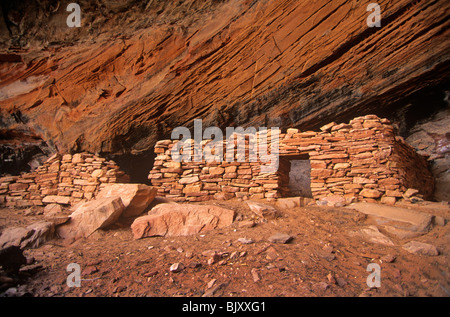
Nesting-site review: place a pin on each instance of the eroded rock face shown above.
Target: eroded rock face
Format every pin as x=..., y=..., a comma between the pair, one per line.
x=181, y=220
x=131, y=76
x=431, y=138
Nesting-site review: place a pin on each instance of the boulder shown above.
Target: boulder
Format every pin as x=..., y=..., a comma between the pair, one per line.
x=135, y=197
x=181, y=220
x=91, y=216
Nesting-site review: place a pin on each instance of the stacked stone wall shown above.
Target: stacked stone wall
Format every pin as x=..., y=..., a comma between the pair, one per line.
x=361, y=160
x=64, y=179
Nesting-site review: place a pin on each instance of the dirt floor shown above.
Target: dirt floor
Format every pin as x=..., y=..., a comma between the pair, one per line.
x=322, y=259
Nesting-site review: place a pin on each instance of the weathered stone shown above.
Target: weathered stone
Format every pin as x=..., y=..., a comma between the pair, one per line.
x=245, y=240
x=189, y=180
x=370, y=193
x=176, y=267
x=414, y=220
x=64, y=200
x=388, y=200
x=181, y=220
x=280, y=238
x=30, y=237
x=263, y=210
x=91, y=216
x=372, y=234
x=421, y=248
x=410, y=192
x=135, y=197
x=18, y=187
x=52, y=210
x=98, y=173
x=334, y=201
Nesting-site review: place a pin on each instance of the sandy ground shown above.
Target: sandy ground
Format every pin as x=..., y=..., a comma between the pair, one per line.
x=322, y=259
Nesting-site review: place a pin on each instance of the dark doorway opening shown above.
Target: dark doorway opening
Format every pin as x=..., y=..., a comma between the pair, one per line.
x=295, y=176
x=136, y=166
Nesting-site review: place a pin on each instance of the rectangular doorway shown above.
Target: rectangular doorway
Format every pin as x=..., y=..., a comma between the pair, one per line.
x=295, y=176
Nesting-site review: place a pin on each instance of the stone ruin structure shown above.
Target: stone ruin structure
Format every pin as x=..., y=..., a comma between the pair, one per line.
x=363, y=160
x=66, y=179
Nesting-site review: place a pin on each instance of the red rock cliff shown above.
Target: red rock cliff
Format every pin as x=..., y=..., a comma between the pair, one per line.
x=134, y=71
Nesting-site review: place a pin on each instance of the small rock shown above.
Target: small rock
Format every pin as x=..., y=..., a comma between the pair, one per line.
x=246, y=224
x=213, y=259
x=119, y=289
x=211, y=283
x=28, y=212
x=263, y=210
x=328, y=249
x=245, y=241
x=90, y=270
x=234, y=255
x=194, y=265
x=421, y=248
x=388, y=258
x=255, y=275
x=280, y=238
x=176, y=267
x=150, y=274
x=321, y=286
x=271, y=254
x=410, y=192
x=439, y=221
x=341, y=282
x=213, y=290
x=331, y=279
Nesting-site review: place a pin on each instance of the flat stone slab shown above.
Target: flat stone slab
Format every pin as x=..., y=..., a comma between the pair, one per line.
x=181, y=220
x=280, y=238
x=415, y=220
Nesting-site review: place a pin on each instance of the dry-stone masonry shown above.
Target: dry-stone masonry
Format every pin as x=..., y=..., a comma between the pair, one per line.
x=62, y=179
x=363, y=160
